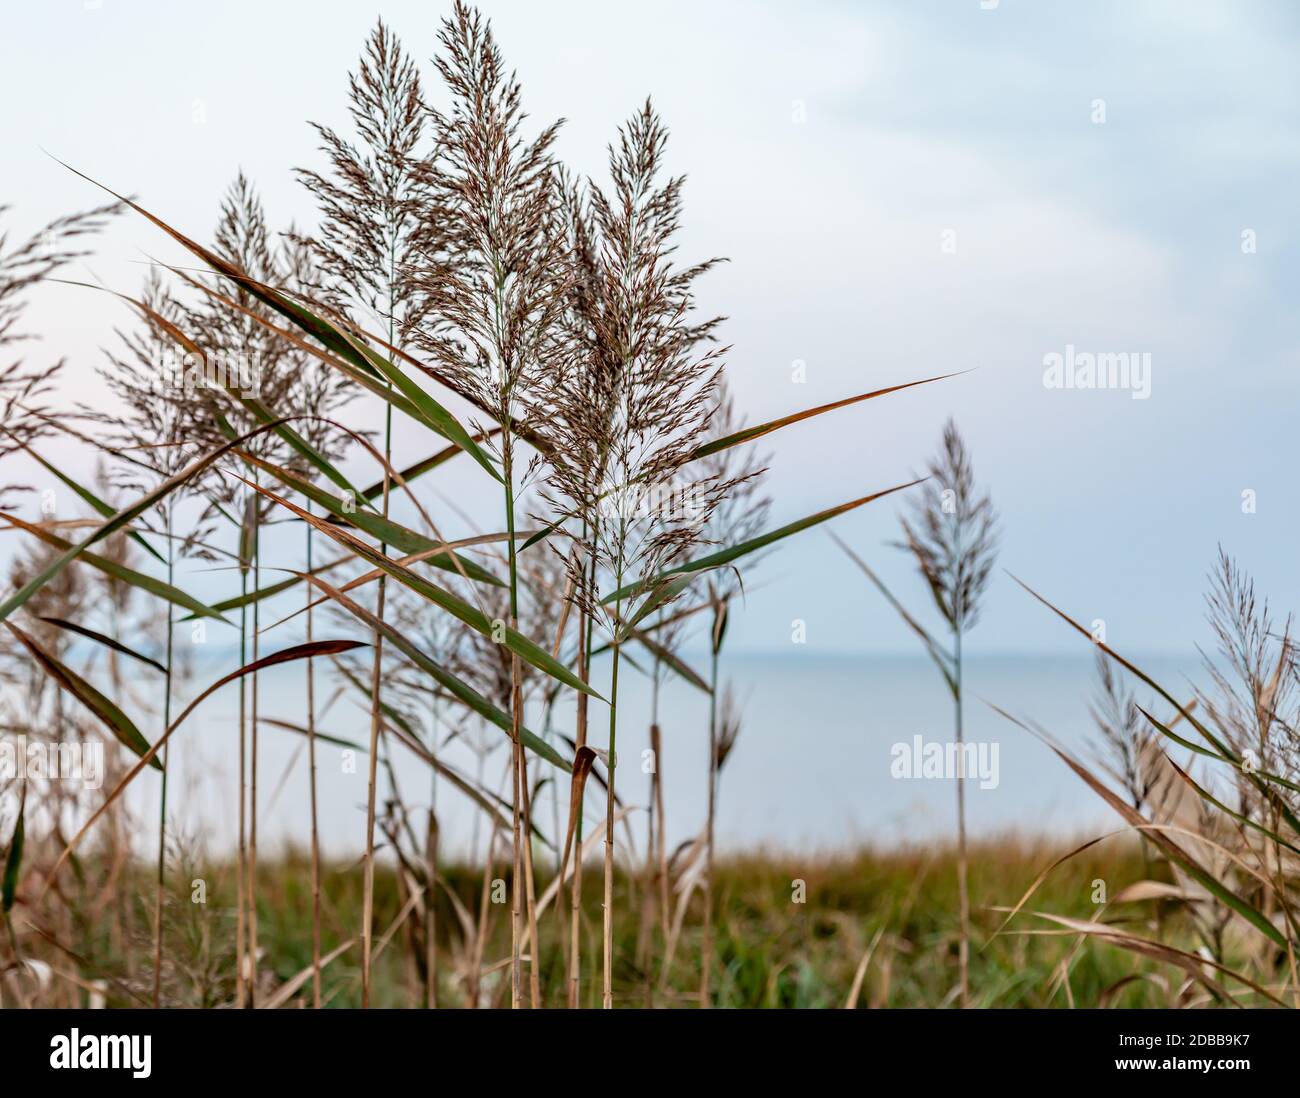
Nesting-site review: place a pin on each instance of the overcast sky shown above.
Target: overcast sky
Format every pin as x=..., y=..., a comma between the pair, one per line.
x=902, y=189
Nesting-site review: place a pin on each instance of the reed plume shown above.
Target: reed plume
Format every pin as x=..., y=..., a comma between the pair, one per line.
x=371, y=204
x=952, y=537
x=237, y=337
x=631, y=408
x=492, y=278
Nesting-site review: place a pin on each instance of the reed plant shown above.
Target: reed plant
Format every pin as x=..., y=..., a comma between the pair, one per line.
x=1221, y=824
x=496, y=311
x=951, y=535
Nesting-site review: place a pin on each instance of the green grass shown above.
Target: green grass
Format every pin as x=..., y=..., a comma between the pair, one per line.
x=770, y=952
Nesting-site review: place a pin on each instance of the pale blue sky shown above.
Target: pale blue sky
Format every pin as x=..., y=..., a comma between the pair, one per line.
x=918, y=119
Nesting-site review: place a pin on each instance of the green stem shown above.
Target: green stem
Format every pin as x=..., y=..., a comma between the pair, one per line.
x=575, y=891
x=516, y=880
x=252, y=762
x=608, y=951
x=608, y=988
x=706, y=960
x=242, y=884
x=311, y=767
x=431, y=868
x=162, y=808
x=368, y=903
x=963, y=896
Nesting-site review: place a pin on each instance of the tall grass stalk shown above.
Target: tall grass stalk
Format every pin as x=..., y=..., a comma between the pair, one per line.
x=160, y=883
x=251, y=871
x=607, y=948
x=313, y=807
x=715, y=647
x=739, y=516
x=369, y=204
x=585, y=625
x=241, y=871
x=952, y=537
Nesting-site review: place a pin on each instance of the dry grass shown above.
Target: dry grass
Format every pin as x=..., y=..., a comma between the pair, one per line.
x=770, y=951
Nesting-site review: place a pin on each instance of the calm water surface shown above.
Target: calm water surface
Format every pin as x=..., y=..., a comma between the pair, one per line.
x=811, y=770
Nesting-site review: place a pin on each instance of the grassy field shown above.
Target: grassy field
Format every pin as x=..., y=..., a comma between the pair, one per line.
x=896, y=909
